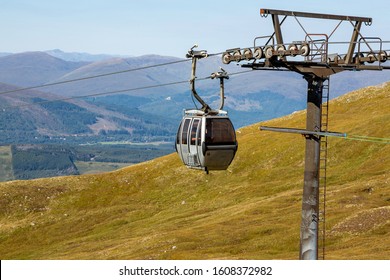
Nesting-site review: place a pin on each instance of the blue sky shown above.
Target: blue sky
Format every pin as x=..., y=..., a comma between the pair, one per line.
x=169, y=27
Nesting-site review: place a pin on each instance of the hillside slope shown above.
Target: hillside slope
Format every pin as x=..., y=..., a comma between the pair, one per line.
x=162, y=210
x=77, y=120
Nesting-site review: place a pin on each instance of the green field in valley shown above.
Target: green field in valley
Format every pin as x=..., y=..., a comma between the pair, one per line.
x=6, y=173
x=31, y=161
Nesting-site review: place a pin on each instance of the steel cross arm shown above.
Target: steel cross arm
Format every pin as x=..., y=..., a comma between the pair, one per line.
x=262, y=66
x=302, y=131
x=265, y=12
x=306, y=67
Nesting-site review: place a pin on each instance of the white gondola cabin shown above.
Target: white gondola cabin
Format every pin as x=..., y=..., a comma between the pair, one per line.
x=206, y=142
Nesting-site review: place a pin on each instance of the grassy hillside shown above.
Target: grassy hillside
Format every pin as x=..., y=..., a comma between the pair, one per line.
x=162, y=210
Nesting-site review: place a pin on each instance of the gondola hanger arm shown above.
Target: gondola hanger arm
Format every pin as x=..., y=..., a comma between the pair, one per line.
x=195, y=55
x=221, y=75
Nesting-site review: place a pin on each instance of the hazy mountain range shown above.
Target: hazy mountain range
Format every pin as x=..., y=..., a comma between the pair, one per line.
x=150, y=114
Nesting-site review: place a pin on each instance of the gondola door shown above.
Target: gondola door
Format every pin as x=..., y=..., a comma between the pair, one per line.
x=194, y=143
x=182, y=140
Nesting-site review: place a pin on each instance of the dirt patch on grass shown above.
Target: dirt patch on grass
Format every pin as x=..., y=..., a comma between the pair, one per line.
x=363, y=221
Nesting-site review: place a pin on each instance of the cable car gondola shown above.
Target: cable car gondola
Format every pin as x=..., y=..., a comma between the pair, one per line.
x=206, y=138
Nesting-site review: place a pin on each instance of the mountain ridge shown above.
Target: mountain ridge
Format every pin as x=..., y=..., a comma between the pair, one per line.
x=251, y=96
x=33, y=68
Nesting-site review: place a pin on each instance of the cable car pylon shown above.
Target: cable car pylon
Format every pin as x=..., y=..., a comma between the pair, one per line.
x=311, y=58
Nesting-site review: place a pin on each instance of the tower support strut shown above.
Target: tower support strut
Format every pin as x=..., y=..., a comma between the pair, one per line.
x=310, y=197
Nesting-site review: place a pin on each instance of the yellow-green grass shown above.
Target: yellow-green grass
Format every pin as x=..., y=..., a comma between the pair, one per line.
x=162, y=210
x=94, y=167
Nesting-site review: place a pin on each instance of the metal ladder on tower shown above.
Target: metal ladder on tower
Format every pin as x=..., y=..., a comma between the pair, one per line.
x=323, y=163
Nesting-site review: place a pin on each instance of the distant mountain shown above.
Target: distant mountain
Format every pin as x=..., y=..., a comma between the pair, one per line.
x=36, y=68
x=129, y=80
x=4, y=54
x=352, y=80
x=74, y=56
x=33, y=68
x=251, y=96
x=78, y=56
